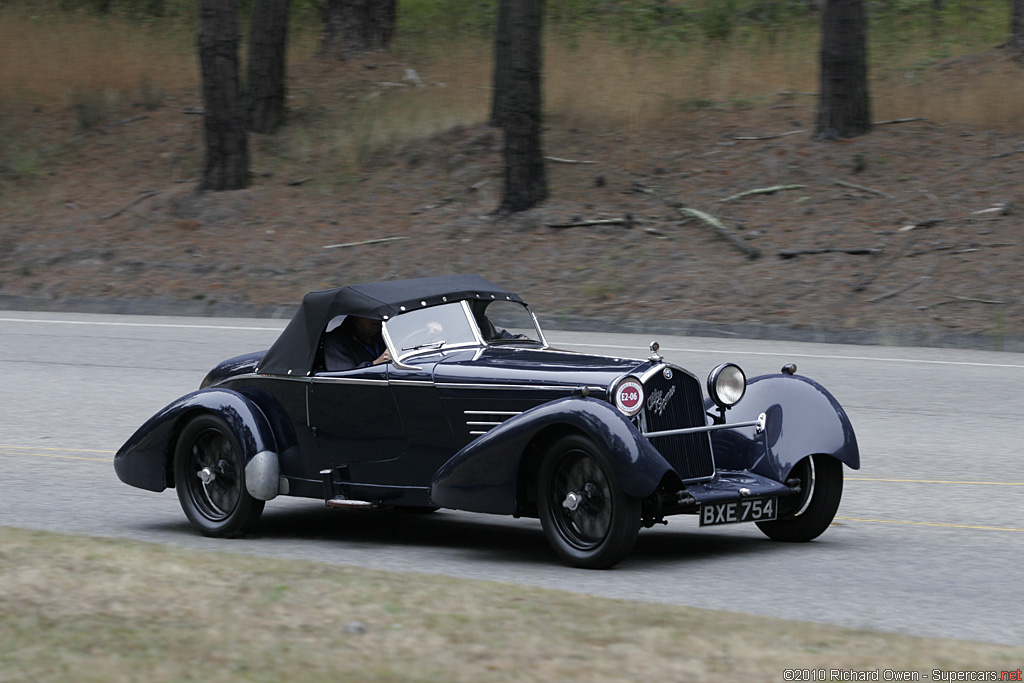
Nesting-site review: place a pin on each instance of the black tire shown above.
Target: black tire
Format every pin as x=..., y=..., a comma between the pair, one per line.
x=806, y=516
x=220, y=505
x=602, y=528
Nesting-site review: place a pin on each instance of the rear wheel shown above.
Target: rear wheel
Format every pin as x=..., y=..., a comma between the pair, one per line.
x=806, y=516
x=587, y=518
x=209, y=476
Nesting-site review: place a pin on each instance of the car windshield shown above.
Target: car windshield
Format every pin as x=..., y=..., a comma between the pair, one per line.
x=430, y=328
x=503, y=322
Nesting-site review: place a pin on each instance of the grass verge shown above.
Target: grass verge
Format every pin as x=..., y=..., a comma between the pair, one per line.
x=86, y=609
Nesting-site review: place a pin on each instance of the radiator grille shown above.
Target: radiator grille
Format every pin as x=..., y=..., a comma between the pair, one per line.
x=689, y=454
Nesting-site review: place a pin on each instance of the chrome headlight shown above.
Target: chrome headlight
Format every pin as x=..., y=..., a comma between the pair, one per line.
x=628, y=395
x=726, y=385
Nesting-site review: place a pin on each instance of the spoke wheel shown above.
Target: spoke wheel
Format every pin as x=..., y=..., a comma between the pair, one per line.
x=588, y=520
x=806, y=516
x=209, y=477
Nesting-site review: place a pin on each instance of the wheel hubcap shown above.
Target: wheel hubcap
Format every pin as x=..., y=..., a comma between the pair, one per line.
x=583, y=495
x=216, y=488
x=206, y=475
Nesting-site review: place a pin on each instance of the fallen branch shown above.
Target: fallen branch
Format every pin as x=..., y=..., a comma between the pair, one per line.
x=141, y=197
x=899, y=290
x=299, y=181
x=628, y=222
x=855, y=251
x=764, y=190
x=766, y=137
x=719, y=227
x=928, y=223
x=907, y=120
x=1006, y=154
x=953, y=299
x=884, y=264
x=356, y=244
x=962, y=247
x=862, y=188
x=568, y=161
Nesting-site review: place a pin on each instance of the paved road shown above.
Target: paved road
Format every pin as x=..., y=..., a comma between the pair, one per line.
x=929, y=538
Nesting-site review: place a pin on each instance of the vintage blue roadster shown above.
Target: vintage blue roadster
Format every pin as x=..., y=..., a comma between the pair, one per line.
x=469, y=408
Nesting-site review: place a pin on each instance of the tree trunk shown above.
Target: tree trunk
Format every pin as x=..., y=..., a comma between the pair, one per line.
x=353, y=27
x=502, y=65
x=844, y=110
x=227, y=147
x=525, y=180
x=268, y=38
x=1017, y=28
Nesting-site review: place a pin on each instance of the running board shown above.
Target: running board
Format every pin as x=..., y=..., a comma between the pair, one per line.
x=350, y=504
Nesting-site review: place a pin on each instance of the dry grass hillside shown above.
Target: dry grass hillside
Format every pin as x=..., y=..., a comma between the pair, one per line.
x=912, y=234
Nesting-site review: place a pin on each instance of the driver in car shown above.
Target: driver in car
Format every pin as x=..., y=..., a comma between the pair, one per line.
x=355, y=343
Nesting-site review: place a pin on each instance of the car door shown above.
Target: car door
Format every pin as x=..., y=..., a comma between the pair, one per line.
x=355, y=419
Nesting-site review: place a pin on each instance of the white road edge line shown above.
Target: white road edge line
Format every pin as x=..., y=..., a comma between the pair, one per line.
x=105, y=323
x=573, y=344
x=784, y=354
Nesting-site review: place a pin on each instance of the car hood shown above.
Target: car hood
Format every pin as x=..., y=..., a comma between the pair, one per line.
x=529, y=366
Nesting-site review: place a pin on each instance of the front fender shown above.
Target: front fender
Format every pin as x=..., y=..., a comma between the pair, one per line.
x=483, y=476
x=803, y=419
x=146, y=459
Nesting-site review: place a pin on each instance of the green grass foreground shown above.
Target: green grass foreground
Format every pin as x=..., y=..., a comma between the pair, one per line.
x=87, y=609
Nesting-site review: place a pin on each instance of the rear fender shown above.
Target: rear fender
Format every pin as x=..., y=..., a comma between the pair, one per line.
x=803, y=419
x=146, y=459
x=483, y=476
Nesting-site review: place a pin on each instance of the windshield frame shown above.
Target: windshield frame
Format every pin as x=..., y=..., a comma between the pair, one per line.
x=399, y=355
x=540, y=340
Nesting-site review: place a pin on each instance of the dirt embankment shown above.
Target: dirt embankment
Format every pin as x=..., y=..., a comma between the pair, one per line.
x=912, y=234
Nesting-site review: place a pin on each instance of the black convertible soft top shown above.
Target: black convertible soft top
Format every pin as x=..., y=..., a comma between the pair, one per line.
x=295, y=350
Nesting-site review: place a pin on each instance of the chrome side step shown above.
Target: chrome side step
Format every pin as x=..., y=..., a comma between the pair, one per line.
x=335, y=485
x=350, y=504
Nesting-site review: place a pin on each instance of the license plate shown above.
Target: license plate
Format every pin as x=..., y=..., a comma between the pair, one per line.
x=756, y=510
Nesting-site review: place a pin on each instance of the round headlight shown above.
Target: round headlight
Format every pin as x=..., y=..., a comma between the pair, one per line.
x=629, y=396
x=727, y=384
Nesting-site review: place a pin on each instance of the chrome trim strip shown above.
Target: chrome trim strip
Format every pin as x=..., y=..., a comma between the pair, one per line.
x=477, y=433
x=482, y=424
x=658, y=367
x=262, y=375
x=651, y=372
x=759, y=423
x=492, y=412
x=321, y=379
x=412, y=382
x=569, y=388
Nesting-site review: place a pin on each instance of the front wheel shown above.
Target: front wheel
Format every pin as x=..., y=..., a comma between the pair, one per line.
x=587, y=518
x=209, y=476
x=805, y=516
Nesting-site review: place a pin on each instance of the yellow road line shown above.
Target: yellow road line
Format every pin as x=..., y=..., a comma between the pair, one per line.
x=935, y=524
x=939, y=481
x=55, y=453
x=62, y=450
